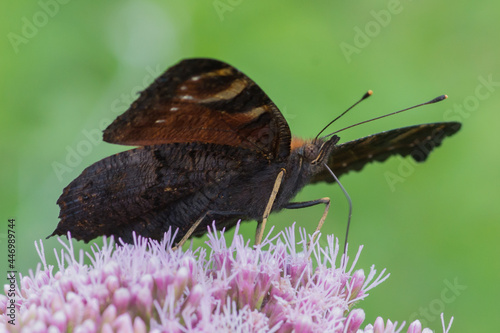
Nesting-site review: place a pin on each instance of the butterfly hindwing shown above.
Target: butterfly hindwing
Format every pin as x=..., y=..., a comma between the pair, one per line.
x=417, y=141
x=204, y=100
x=152, y=188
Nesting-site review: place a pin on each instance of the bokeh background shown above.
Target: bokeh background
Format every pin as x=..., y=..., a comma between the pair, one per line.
x=68, y=68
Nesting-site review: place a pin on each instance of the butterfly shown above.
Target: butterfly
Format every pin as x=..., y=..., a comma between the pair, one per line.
x=212, y=146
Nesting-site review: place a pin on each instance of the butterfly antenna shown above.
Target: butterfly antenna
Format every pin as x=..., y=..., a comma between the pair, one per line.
x=365, y=96
x=348, y=200
x=432, y=101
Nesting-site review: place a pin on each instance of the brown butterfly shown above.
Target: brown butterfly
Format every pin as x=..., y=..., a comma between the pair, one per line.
x=213, y=147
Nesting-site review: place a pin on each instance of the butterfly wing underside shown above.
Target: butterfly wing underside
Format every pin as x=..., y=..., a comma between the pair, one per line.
x=208, y=101
x=152, y=188
x=417, y=141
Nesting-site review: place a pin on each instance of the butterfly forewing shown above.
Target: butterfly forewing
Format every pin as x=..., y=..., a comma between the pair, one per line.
x=417, y=141
x=204, y=100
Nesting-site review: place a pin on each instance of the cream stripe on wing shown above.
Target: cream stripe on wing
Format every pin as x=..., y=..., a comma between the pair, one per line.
x=236, y=87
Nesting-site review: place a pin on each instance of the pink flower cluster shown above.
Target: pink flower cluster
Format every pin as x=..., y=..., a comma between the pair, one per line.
x=147, y=287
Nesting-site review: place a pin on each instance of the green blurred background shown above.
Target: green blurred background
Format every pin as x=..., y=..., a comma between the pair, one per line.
x=69, y=68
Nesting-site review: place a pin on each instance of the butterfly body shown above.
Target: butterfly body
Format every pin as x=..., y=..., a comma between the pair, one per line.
x=211, y=146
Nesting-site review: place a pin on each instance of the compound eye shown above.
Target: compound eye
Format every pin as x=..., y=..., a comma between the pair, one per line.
x=311, y=152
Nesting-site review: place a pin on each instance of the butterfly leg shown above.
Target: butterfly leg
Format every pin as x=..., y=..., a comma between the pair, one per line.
x=261, y=226
x=304, y=204
x=195, y=225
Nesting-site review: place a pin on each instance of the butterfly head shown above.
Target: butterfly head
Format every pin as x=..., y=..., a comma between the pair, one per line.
x=316, y=151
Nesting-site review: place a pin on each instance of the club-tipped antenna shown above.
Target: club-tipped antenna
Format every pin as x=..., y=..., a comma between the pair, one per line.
x=348, y=200
x=432, y=101
x=365, y=96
